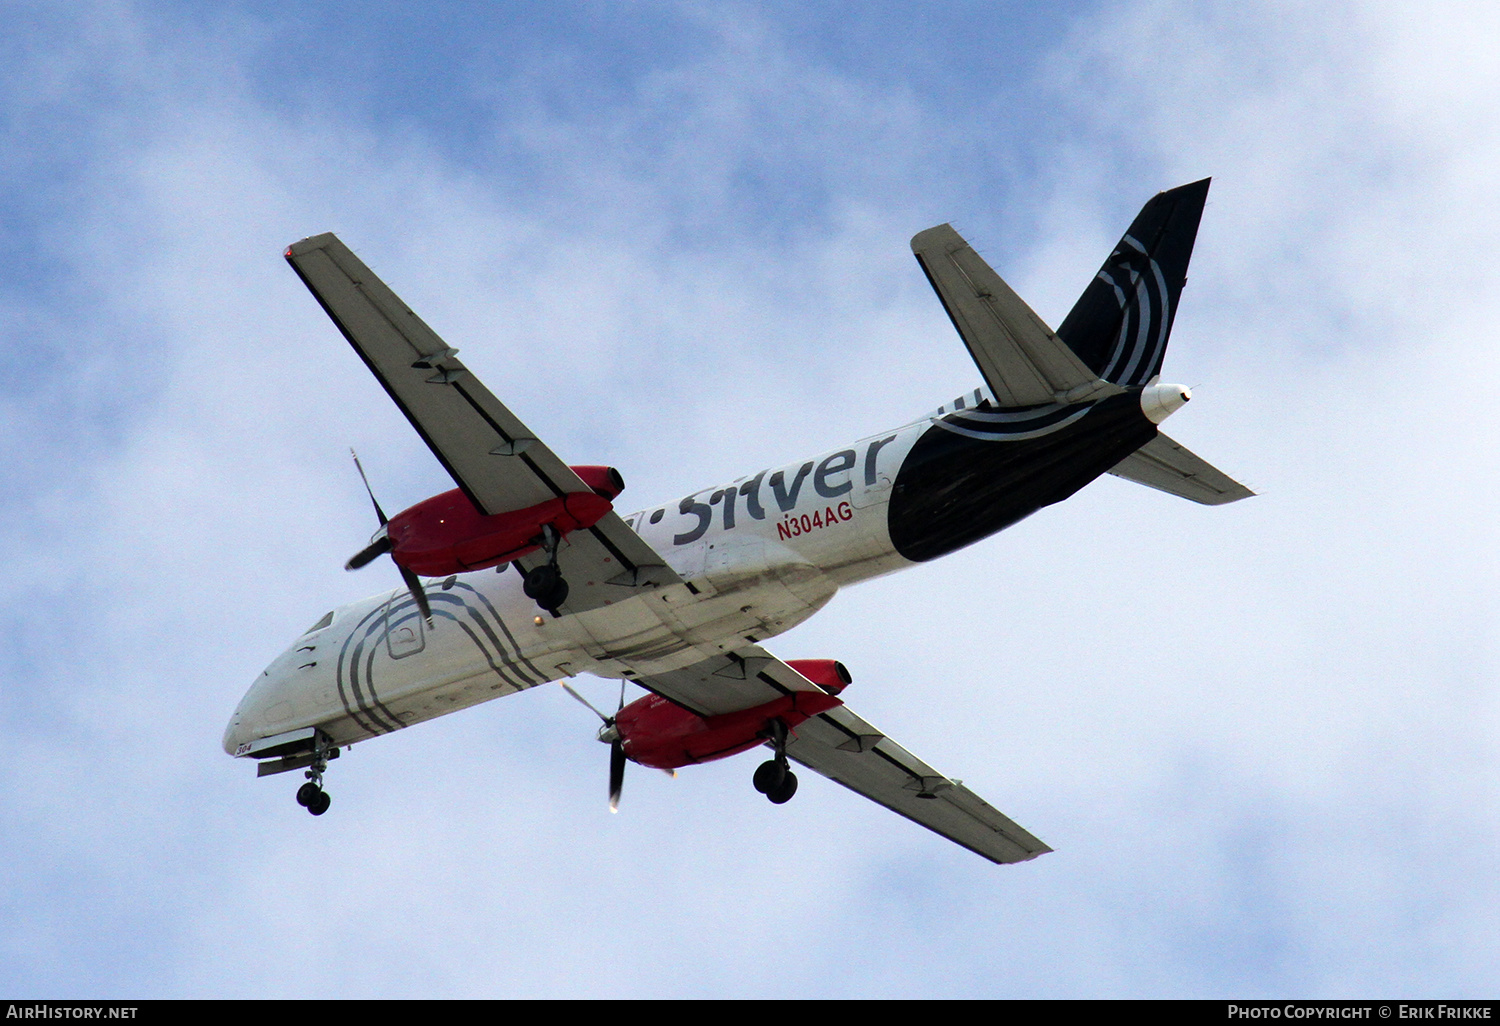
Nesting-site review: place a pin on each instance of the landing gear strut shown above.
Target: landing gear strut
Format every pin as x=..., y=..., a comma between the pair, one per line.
x=773, y=778
x=545, y=583
x=311, y=795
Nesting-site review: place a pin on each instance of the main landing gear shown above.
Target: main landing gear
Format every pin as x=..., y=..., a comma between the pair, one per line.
x=773, y=778
x=311, y=795
x=545, y=583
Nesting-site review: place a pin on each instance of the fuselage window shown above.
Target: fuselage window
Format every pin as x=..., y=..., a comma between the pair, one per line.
x=656, y=517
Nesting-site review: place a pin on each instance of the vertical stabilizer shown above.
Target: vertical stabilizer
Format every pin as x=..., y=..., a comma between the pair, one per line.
x=1120, y=324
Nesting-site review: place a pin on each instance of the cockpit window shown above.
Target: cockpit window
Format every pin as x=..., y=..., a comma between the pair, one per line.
x=327, y=619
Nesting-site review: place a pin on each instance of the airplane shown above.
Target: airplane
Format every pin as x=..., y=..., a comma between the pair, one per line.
x=525, y=573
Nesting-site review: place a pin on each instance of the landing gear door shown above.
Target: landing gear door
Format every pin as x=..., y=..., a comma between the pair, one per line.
x=404, y=633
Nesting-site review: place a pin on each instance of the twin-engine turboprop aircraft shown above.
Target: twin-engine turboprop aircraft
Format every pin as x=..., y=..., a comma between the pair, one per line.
x=679, y=597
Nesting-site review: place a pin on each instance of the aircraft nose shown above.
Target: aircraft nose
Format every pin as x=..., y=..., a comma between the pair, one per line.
x=249, y=721
x=233, y=736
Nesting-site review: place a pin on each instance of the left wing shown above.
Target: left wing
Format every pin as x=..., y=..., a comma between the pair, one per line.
x=847, y=750
x=498, y=462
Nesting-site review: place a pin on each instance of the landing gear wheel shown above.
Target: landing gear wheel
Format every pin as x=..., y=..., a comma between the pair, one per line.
x=545, y=584
x=556, y=597
x=773, y=778
x=782, y=792
x=768, y=775
x=311, y=795
x=540, y=580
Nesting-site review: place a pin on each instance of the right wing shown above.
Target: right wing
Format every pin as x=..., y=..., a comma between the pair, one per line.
x=494, y=458
x=1166, y=466
x=847, y=750
x=1022, y=361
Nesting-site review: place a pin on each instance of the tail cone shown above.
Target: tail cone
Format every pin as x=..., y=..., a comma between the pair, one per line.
x=1158, y=402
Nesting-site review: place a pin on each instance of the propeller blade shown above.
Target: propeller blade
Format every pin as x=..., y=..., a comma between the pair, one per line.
x=368, y=491
x=616, y=774
x=379, y=547
x=414, y=585
x=587, y=704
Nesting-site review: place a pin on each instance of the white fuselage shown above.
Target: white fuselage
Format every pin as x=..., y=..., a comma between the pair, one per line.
x=757, y=557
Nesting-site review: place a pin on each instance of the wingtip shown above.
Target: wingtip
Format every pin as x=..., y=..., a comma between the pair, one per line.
x=310, y=243
x=925, y=238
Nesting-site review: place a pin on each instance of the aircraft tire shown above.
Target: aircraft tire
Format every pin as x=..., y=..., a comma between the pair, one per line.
x=546, y=586
x=768, y=775
x=540, y=580
x=557, y=596
x=306, y=794
x=783, y=792
x=319, y=805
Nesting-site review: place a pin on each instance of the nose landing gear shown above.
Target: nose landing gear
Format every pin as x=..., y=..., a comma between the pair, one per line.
x=773, y=778
x=313, y=798
x=311, y=795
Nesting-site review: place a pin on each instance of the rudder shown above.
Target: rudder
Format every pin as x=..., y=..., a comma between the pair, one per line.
x=1120, y=325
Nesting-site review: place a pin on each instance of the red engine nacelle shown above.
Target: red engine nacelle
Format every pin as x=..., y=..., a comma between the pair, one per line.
x=604, y=482
x=446, y=535
x=662, y=734
x=829, y=674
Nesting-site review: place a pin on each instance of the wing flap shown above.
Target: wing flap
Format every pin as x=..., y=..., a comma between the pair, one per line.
x=1169, y=467
x=729, y=683
x=1022, y=360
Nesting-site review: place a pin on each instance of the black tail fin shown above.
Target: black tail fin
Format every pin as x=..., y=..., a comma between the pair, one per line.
x=1120, y=324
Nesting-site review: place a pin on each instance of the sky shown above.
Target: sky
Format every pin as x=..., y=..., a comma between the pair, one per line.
x=672, y=237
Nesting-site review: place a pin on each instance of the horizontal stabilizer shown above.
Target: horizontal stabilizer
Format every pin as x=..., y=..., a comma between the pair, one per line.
x=1166, y=466
x=1022, y=361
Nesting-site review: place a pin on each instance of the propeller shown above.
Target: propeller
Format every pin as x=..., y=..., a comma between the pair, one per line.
x=616, y=745
x=381, y=543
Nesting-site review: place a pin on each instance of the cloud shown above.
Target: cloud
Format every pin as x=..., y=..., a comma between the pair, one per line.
x=1260, y=737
